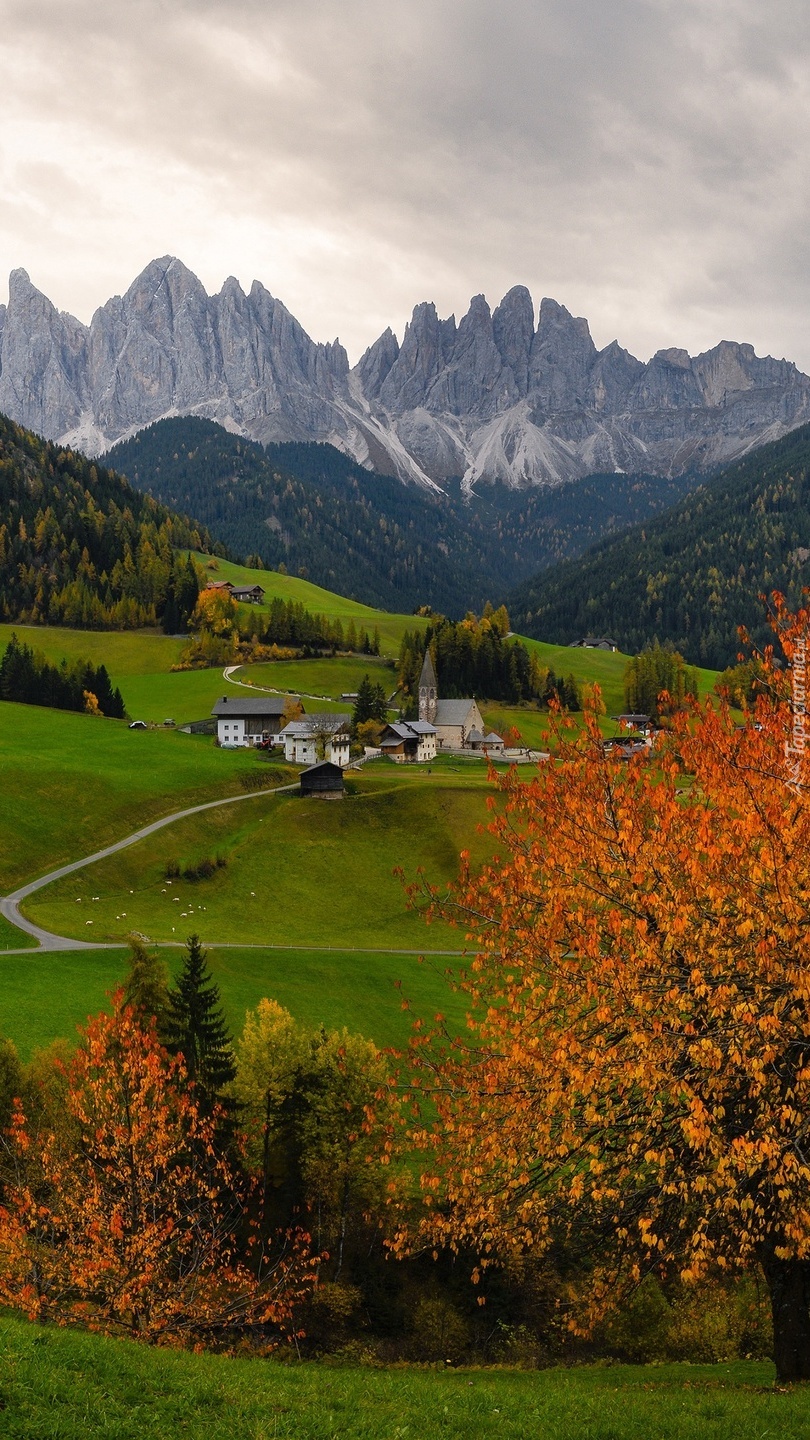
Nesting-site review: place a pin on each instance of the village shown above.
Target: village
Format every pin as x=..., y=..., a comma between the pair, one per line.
x=321, y=742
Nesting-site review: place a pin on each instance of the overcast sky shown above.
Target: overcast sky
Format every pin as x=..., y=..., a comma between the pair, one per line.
x=644, y=162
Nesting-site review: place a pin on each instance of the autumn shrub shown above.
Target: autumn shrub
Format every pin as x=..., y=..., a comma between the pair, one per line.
x=333, y=1316
x=438, y=1329
x=171, y=870
x=125, y=1218
x=705, y=1323
x=710, y=1323
x=203, y=870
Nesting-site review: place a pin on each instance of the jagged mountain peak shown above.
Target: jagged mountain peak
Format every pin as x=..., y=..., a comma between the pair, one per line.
x=494, y=396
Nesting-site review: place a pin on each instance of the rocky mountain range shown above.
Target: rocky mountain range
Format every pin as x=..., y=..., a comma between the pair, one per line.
x=494, y=397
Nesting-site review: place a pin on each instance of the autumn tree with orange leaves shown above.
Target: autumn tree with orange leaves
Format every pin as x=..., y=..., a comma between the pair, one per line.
x=126, y=1218
x=638, y=1063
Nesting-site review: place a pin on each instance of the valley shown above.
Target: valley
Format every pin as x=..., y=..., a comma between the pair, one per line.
x=308, y=891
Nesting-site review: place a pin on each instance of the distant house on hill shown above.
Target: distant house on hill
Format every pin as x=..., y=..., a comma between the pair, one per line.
x=247, y=594
x=409, y=740
x=314, y=738
x=454, y=719
x=593, y=642
x=250, y=719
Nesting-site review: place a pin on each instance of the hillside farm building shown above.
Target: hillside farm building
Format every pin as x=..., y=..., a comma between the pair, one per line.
x=317, y=737
x=323, y=781
x=249, y=720
x=409, y=740
x=247, y=594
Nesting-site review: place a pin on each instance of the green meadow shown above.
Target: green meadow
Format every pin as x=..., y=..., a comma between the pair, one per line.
x=63, y=1385
x=45, y=995
x=298, y=872
x=315, y=599
x=74, y=783
x=321, y=676
x=308, y=895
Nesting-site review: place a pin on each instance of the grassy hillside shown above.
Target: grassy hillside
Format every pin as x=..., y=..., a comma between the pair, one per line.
x=73, y=783
x=44, y=996
x=299, y=872
x=314, y=598
x=694, y=574
x=60, y=1385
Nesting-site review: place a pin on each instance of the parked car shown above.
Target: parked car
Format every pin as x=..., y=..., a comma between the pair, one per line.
x=137, y=725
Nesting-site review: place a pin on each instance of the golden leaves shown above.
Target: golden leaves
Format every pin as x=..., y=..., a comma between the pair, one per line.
x=647, y=1042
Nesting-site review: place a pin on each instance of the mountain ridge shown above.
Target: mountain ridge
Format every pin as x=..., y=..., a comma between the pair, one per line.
x=692, y=574
x=324, y=517
x=490, y=398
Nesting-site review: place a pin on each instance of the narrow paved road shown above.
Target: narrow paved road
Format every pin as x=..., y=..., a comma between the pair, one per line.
x=227, y=674
x=9, y=904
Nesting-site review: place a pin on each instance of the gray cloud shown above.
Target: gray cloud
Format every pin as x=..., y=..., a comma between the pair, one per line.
x=644, y=162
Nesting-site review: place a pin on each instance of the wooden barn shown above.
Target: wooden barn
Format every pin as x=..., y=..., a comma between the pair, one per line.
x=323, y=781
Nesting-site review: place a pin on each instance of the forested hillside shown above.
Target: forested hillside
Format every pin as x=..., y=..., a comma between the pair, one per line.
x=693, y=575
x=80, y=547
x=312, y=509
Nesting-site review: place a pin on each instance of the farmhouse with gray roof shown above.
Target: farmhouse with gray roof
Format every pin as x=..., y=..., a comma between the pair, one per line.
x=249, y=719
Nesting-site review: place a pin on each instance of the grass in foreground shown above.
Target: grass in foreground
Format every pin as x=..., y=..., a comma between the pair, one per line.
x=45, y=995
x=13, y=939
x=59, y=1385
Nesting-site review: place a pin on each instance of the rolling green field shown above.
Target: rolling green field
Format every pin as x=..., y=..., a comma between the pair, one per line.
x=62, y=1385
x=74, y=783
x=313, y=598
x=44, y=995
x=12, y=939
x=320, y=676
x=299, y=871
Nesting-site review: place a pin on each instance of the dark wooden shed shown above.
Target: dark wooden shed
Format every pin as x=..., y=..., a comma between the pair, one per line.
x=324, y=781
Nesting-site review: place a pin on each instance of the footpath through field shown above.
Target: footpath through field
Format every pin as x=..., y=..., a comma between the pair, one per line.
x=46, y=940
x=9, y=904
x=227, y=674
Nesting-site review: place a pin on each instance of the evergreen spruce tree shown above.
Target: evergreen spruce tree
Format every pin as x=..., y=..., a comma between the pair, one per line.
x=195, y=1028
x=363, y=705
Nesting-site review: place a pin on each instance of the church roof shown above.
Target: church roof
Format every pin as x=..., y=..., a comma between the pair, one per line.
x=428, y=676
x=453, y=712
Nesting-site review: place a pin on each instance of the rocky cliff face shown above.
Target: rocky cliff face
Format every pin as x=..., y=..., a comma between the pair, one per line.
x=492, y=398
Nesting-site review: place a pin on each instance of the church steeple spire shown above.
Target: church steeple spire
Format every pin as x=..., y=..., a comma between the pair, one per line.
x=428, y=691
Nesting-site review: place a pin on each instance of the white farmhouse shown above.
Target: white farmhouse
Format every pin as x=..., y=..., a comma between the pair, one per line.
x=249, y=719
x=317, y=737
x=409, y=740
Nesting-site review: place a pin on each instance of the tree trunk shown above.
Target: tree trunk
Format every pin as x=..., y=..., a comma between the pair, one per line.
x=789, y=1289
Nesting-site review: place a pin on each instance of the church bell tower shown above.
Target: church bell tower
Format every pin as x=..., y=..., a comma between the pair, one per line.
x=428, y=692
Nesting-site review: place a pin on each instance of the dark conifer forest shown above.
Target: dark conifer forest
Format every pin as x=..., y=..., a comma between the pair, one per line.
x=315, y=511
x=30, y=679
x=80, y=547
x=693, y=575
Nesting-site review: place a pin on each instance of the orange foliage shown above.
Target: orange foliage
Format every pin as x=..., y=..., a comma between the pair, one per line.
x=638, y=1069
x=125, y=1218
